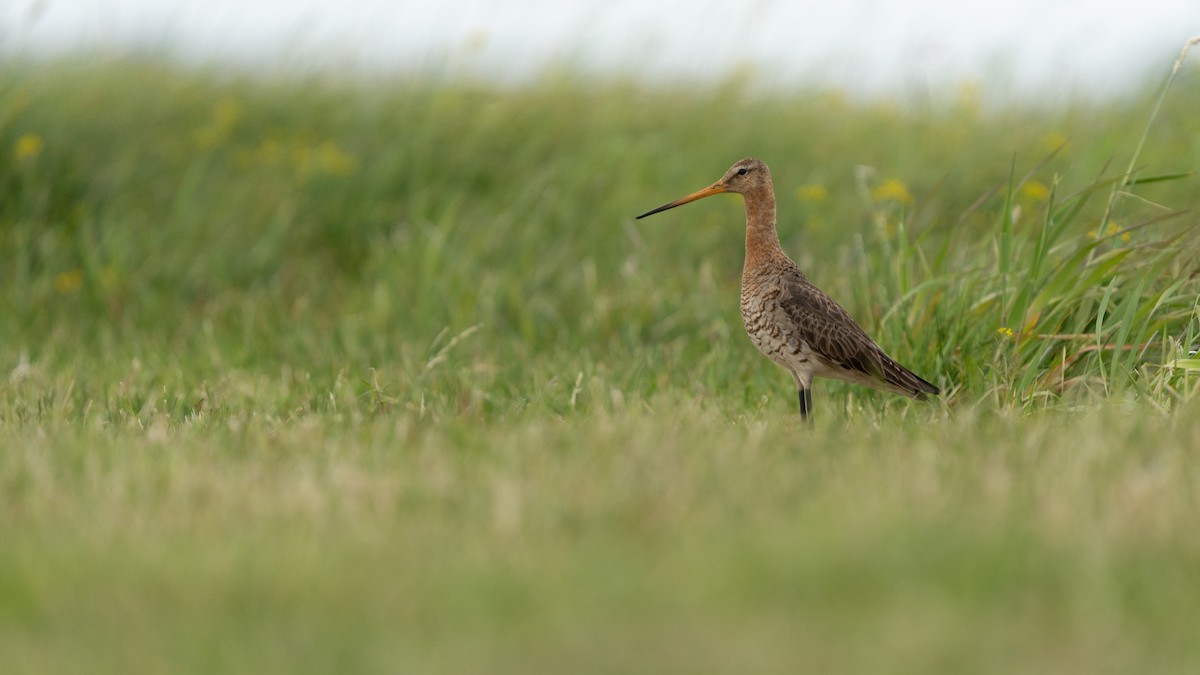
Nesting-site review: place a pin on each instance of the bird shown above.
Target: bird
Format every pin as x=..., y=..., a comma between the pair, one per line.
x=790, y=320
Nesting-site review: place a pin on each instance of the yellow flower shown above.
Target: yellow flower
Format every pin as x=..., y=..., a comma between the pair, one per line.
x=266, y=153
x=1035, y=191
x=27, y=147
x=1004, y=331
x=69, y=282
x=1109, y=230
x=331, y=159
x=812, y=193
x=326, y=158
x=1053, y=141
x=969, y=96
x=892, y=190
x=834, y=98
x=225, y=115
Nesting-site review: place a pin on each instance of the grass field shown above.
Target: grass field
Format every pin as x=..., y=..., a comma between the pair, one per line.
x=379, y=375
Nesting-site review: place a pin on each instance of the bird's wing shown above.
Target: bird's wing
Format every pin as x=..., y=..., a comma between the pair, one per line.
x=834, y=337
x=828, y=329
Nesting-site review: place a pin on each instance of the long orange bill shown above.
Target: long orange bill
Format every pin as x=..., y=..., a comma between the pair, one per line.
x=699, y=194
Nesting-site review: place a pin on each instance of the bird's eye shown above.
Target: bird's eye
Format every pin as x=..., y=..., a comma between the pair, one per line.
x=742, y=172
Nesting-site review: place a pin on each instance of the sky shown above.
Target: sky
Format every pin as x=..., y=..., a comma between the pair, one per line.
x=1032, y=47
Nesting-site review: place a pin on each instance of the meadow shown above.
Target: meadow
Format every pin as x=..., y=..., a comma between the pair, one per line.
x=378, y=374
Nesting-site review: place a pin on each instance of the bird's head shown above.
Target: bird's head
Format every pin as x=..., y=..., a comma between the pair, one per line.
x=748, y=175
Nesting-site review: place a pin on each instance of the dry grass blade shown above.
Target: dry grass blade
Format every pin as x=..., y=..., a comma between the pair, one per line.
x=443, y=353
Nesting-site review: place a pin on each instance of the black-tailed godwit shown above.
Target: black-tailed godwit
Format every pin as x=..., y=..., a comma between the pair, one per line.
x=788, y=318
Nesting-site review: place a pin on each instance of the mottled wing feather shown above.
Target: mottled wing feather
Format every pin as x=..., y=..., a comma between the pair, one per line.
x=837, y=340
x=828, y=329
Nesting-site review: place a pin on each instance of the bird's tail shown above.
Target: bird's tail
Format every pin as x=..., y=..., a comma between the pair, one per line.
x=908, y=382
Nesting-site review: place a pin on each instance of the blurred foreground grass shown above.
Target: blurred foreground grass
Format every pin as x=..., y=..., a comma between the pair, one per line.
x=616, y=542
x=308, y=375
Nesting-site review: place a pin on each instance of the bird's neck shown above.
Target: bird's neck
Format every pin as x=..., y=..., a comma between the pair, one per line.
x=762, y=241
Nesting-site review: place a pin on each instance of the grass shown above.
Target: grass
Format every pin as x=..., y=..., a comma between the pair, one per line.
x=305, y=375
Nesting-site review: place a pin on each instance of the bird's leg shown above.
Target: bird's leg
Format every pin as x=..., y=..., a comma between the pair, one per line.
x=804, y=387
x=805, y=403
